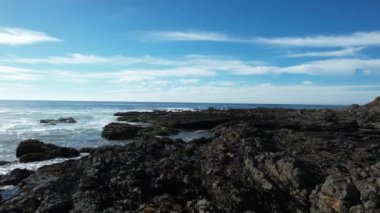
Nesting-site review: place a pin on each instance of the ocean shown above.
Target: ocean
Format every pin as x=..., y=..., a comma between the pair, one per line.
x=19, y=120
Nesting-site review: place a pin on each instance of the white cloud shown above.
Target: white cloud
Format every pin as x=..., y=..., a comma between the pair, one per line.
x=78, y=58
x=149, y=84
x=262, y=93
x=19, y=36
x=190, y=67
x=323, y=67
x=187, y=36
x=370, y=38
x=354, y=39
x=222, y=83
x=189, y=81
x=8, y=73
x=158, y=83
x=307, y=82
x=336, y=53
x=203, y=66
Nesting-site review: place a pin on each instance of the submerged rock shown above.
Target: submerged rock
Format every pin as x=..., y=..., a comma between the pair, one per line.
x=68, y=120
x=34, y=150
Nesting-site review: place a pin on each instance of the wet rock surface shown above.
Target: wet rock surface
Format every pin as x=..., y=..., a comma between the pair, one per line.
x=68, y=120
x=259, y=160
x=14, y=177
x=34, y=150
x=120, y=131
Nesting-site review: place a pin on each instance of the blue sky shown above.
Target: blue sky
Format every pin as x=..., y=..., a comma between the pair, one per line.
x=295, y=51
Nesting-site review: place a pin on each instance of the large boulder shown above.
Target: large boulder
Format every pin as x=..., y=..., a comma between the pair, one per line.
x=337, y=194
x=34, y=150
x=120, y=131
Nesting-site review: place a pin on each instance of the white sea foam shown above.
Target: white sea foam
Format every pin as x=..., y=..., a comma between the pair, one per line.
x=191, y=135
x=5, y=169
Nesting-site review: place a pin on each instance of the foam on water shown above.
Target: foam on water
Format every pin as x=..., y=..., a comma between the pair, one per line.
x=5, y=169
x=19, y=120
x=191, y=135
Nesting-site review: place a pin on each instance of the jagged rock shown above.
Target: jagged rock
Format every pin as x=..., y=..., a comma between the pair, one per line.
x=120, y=131
x=189, y=120
x=375, y=102
x=34, y=150
x=14, y=177
x=88, y=150
x=337, y=194
x=259, y=160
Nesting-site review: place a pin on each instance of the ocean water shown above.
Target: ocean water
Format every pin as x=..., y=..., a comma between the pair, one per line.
x=19, y=120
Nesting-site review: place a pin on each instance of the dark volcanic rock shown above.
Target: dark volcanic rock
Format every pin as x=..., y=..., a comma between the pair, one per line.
x=34, y=150
x=259, y=160
x=2, y=163
x=120, y=131
x=15, y=177
x=68, y=120
x=375, y=102
x=188, y=120
x=88, y=150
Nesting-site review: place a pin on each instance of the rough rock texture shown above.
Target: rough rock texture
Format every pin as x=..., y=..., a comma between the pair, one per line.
x=123, y=131
x=188, y=120
x=14, y=177
x=68, y=120
x=260, y=160
x=34, y=150
x=120, y=131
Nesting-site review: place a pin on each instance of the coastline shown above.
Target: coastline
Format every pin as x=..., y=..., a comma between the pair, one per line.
x=262, y=160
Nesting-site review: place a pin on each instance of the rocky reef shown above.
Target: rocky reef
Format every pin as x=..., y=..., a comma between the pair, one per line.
x=34, y=150
x=258, y=160
x=68, y=120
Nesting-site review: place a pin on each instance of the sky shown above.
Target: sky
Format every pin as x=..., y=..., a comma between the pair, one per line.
x=222, y=51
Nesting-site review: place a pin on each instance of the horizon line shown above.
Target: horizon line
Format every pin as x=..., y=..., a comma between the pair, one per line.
x=174, y=102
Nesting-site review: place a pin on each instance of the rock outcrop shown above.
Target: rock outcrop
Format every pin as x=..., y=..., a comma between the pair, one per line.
x=14, y=177
x=120, y=131
x=68, y=120
x=34, y=150
x=259, y=160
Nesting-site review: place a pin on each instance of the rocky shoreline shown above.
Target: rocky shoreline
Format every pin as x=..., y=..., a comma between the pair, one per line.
x=258, y=160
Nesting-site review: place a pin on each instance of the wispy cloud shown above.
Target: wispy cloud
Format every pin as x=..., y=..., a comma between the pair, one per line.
x=354, y=39
x=188, y=36
x=19, y=36
x=336, y=53
x=186, y=67
x=371, y=38
x=189, y=81
x=329, y=67
x=307, y=82
x=222, y=83
x=9, y=73
x=261, y=93
x=88, y=59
